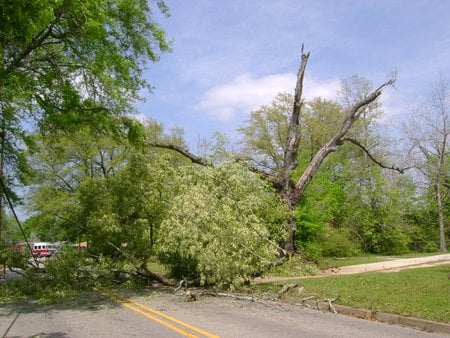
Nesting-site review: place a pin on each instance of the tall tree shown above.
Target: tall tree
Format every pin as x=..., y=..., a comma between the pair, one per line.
x=63, y=63
x=292, y=189
x=429, y=133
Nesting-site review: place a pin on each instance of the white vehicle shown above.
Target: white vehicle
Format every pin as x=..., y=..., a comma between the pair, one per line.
x=44, y=249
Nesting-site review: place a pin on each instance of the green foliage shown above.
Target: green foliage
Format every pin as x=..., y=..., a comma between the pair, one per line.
x=430, y=247
x=338, y=243
x=376, y=205
x=349, y=196
x=265, y=132
x=108, y=42
x=376, y=237
x=126, y=208
x=222, y=226
x=332, y=242
x=66, y=64
x=320, y=206
x=67, y=275
x=10, y=230
x=312, y=252
x=385, y=239
x=295, y=266
x=321, y=119
x=9, y=257
x=91, y=185
x=37, y=287
x=64, y=269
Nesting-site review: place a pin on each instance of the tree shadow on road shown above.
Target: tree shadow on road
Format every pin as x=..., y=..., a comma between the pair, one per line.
x=84, y=301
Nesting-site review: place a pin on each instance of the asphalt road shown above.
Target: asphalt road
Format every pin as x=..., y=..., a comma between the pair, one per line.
x=155, y=313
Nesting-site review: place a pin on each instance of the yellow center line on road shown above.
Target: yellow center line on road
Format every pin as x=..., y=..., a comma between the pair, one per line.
x=126, y=302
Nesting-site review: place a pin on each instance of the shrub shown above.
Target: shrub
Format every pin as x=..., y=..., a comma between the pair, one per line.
x=430, y=247
x=337, y=243
x=389, y=240
x=312, y=252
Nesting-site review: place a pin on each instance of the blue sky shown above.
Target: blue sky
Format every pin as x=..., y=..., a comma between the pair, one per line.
x=230, y=57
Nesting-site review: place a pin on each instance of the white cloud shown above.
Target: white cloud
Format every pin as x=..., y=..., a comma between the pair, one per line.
x=246, y=93
x=324, y=88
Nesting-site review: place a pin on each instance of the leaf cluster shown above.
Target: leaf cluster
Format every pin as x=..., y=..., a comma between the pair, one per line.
x=224, y=223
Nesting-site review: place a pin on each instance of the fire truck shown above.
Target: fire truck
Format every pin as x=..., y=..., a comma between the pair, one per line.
x=44, y=249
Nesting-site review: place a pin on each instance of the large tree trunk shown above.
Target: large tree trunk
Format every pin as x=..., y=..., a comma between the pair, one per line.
x=290, y=161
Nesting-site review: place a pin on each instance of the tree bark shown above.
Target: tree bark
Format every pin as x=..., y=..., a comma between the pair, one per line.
x=290, y=162
x=442, y=244
x=439, y=198
x=194, y=158
x=290, y=155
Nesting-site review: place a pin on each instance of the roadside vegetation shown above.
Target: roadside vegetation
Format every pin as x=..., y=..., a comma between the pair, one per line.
x=420, y=292
x=67, y=276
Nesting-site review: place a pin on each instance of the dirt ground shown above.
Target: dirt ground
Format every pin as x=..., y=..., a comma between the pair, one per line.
x=385, y=266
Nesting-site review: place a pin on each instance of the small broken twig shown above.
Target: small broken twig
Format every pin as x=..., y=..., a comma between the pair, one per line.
x=286, y=288
x=329, y=301
x=178, y=288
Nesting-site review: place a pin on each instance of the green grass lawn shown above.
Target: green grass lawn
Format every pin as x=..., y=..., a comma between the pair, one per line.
x=421, y=292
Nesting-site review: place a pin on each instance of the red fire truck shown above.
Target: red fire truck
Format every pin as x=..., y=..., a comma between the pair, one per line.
x=44, y=249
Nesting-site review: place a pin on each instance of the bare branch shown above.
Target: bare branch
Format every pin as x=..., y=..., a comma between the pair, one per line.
x=357, y=110
x=286, y=288
x=194, y=158
x=273, y=179
x=372, y=158
x=269, y=177
x=335, y=141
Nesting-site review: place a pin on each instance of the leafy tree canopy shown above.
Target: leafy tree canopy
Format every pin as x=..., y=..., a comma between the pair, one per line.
x=68, y=63
x=76, y=54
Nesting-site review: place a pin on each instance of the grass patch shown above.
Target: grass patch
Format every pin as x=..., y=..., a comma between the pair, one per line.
x=154, y=266
x=333, y=262
x=294, y=267
x=421, y=292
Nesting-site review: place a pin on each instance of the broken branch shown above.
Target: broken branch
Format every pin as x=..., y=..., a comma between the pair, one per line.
x=286, y=288
x=194, y=158
x=372, y=158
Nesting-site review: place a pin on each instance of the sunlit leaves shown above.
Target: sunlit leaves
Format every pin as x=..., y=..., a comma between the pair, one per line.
x=224, y=221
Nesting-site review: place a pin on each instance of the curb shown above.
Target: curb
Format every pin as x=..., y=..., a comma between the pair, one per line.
x=416, y=323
